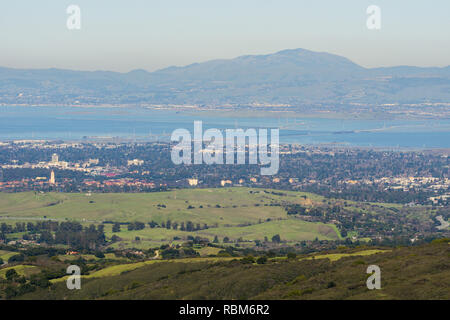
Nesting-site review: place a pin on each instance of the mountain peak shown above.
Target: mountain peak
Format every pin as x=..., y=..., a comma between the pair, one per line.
x=293, y=51
x=138, y=71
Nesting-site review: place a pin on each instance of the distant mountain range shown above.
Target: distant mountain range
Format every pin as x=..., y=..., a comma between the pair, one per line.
x=293, y=77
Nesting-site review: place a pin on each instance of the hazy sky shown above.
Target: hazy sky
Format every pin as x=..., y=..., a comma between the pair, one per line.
x=122, y=35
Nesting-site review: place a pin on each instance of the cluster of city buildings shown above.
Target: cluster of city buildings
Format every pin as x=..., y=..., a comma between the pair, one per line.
x=91, y=167
x=121, y=182
x=426, y=184
x=406, y=183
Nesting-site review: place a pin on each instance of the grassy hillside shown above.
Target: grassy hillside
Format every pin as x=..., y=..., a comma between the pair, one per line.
x=250, y=214
x=237, y=205
x=421, y=272
x=239, y=213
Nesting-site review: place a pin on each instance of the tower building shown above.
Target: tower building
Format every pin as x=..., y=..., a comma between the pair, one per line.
x=52, y=178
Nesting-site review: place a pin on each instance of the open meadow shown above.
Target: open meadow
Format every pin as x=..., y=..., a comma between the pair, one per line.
x=247, y=214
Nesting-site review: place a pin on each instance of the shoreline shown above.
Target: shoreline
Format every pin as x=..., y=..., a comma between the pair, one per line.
x=245, y=112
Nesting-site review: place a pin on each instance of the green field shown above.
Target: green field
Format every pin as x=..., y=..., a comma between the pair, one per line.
x=290, y=229
x=125, y=207
x=337, y=256
x=5, y=255
x=111, y=256
x=246, y=213
x=22, y=270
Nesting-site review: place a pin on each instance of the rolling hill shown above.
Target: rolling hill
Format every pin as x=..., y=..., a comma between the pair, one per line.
x=420, y=272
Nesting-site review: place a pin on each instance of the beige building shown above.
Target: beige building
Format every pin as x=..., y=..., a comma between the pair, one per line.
x=225, y=182
x=52, y=178
x=193, y=182
x=135, y=162
x=55, y=158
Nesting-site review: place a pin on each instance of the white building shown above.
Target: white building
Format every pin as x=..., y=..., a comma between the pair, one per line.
x=135, y=162
x=55, y=158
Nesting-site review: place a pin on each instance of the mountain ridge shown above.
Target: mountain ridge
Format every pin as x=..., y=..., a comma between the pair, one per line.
x=224, y=60
x=293, y=76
